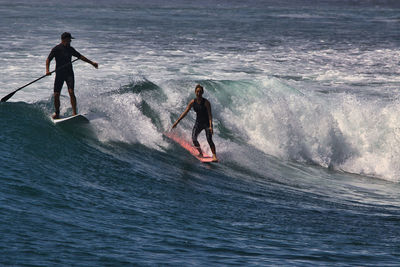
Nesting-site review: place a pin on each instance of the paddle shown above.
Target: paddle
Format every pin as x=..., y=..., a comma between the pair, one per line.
x=4, y=99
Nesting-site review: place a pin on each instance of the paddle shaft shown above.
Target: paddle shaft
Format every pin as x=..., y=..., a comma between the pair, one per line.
x=4, y=99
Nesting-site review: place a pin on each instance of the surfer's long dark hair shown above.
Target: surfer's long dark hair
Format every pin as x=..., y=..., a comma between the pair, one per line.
x=199, y=86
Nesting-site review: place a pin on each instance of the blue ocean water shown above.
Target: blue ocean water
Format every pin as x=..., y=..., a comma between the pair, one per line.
x=305, y=103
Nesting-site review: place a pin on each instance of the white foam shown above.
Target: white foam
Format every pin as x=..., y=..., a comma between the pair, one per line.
x=123, y=121
x=345, y=132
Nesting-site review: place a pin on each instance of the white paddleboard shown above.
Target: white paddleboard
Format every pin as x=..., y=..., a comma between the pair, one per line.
x=76, y=119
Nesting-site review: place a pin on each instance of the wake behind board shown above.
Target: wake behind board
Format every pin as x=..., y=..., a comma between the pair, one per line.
x=186, y=145
x=76, y=119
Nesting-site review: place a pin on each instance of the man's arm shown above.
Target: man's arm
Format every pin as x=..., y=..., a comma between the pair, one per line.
x=48, y=66
x=94, y=64
x=189, y=106
x=49, y=59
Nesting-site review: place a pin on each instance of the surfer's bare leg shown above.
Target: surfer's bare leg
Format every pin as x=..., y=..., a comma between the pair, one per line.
x=56, y=105
x=73, y=101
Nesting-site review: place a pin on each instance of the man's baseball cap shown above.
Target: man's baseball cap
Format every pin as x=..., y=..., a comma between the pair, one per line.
x=66, y=35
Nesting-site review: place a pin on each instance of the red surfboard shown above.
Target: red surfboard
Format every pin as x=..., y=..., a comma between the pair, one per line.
x=186, y=145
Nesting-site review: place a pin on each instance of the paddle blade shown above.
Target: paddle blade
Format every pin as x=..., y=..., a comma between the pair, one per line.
x=4, y=99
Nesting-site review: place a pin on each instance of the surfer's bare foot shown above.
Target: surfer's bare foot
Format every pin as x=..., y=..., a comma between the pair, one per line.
x=214, y=158
x=200, y=152
x=55, y=116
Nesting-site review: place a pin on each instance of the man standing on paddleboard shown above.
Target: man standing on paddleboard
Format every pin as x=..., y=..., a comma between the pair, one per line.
x=202, y=107
x=63, y=53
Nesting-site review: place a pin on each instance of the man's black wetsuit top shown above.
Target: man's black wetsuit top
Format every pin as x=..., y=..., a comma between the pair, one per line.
x=202, y=122
x=63, y=55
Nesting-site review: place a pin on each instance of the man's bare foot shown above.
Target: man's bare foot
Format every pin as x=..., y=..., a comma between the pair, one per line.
x=55, y=116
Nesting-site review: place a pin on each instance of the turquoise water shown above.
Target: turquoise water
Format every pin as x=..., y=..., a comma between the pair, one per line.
x=304, y=98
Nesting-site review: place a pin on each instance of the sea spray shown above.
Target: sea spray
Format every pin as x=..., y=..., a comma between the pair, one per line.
x=343, y=132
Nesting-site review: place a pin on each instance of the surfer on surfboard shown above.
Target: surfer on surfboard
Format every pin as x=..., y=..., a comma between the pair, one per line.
x=202, y=107
x=63, y=53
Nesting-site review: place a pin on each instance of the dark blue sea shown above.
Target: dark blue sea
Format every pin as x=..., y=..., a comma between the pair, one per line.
x=305, y=102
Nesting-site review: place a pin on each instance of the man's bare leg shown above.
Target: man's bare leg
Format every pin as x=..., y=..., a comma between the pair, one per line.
x=56, y=115
x=73, y=101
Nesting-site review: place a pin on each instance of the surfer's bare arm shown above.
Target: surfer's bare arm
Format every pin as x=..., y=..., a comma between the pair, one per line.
x=183, y=114
x=94, y=64
x=208, y=106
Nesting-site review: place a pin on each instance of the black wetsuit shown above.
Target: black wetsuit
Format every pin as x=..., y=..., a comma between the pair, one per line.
x=63, y=55
x=202, y=122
